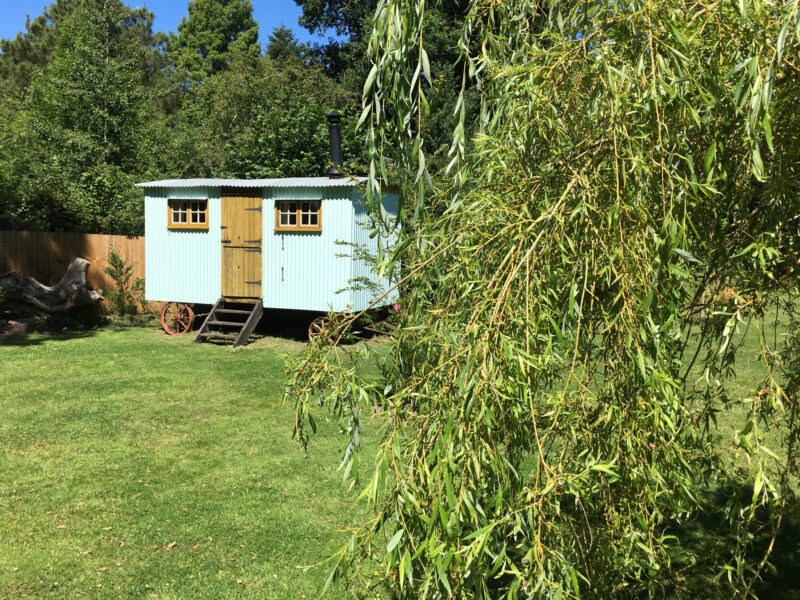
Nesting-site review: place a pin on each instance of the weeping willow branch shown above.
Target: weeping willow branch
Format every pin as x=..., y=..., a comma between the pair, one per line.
x=577, y=292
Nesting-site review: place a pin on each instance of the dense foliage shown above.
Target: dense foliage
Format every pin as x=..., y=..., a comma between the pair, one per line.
x=264, y=120
x=73, y=142
x=573, y=290
x=93, y=101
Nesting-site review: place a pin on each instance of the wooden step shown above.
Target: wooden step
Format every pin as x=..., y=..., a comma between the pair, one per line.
x=216, y=334
x=250, y=325
x=215, y=318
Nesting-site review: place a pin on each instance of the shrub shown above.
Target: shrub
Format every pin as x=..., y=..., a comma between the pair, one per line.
x=127, y=300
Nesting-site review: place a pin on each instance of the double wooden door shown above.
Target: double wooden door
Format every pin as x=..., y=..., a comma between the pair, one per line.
x=241, y=242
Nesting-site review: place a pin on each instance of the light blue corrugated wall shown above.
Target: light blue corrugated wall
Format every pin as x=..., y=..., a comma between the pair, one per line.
x=302, y=270
x=181, y=266
x=362, y=298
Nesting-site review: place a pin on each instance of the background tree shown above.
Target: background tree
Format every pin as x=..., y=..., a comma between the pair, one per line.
x=95, y=100
x=76, y=142
x=347, y=18
x=31, y=50
x=215, y=32
x=264, y=120
x=577, y=284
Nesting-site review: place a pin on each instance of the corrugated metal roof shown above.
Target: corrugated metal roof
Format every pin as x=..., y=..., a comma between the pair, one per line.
x=313, y=182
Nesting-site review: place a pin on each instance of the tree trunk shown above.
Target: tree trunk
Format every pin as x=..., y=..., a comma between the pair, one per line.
x=68, y=293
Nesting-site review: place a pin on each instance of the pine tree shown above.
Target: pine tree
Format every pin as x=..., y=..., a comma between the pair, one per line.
x=283, y=45
x=30, y=50
x=215, y=31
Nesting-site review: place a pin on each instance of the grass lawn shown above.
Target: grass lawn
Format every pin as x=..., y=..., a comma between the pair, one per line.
x=135, y=465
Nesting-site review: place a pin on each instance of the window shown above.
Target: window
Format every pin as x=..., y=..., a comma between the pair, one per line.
x=187, y=214
x=298, y=215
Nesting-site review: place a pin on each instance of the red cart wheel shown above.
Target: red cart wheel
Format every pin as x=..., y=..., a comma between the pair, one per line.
x=317, y=326
x=331, y=325
x=176, y=318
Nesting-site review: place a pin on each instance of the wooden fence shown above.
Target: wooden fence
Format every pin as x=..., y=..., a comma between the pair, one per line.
x=45, y=256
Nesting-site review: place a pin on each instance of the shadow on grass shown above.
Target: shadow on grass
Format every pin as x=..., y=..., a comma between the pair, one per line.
x=783, y=580
x=711, y=540
x=287, y=324
x=294, y=325
x=37, y=339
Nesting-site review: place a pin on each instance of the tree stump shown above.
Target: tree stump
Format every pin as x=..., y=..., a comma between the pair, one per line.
x=67, y=294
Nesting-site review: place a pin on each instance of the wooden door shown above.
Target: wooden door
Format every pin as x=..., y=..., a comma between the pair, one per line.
x=241, y=243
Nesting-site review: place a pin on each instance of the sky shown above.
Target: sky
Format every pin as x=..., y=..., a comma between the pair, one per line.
x=268, y=13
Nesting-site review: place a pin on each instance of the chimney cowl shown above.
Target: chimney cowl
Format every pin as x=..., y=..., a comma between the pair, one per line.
x=335, y=134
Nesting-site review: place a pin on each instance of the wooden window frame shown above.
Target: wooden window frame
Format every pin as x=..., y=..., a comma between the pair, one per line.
x=189, y=210
x=298, y=215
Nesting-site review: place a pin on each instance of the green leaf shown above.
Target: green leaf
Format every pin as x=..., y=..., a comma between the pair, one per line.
x=685, y=254
x=364, y=115
x=479, y=532
x=451, y=496
x=605, y=468
x=398, y=535
x=574, y=579
x=440, y=571
x=766, y=125
x=370, y=81
x=758, y=485
x=711, y=154
x=781, y=43
x=640, y=363
x=426, y=67
x=758, y=164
